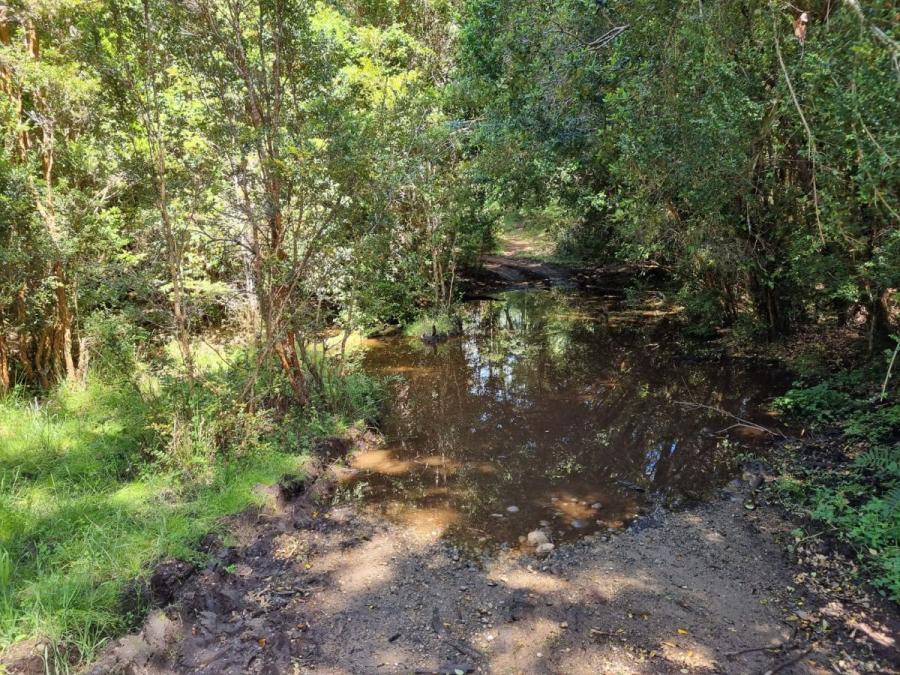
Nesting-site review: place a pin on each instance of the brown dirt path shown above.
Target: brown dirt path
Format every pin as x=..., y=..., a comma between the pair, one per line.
x=340, y=591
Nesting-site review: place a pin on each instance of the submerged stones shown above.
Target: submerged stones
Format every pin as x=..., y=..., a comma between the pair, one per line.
x=544, y=550
x=537, y=537
x=541, y=543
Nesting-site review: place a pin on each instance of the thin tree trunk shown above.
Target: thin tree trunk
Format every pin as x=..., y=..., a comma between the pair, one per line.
x=173, y=254
x=156, y=140
x=4, y=364
x=64, y=323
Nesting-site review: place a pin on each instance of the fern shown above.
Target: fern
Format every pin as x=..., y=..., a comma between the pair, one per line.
x=882, y=460
x=890, y=506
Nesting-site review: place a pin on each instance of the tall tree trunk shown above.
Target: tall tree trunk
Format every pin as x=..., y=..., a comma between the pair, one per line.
x=4, y=363
x=879, y=318
x=8, y=85
x=173, y=255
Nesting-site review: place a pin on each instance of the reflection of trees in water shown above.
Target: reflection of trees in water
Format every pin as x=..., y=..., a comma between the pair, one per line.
x=542, y=390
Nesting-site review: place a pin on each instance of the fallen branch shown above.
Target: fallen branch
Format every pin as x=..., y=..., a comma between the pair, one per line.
x=779, y=647
x=607, y=37
x=741, y=422
x=787, y=663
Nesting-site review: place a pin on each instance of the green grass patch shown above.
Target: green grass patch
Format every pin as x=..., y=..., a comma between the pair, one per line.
x=85, y=510
x=443, y=323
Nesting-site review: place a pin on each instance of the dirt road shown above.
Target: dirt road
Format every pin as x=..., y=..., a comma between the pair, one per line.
x=303, y=590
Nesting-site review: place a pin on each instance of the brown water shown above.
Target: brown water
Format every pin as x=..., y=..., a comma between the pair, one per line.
x=550, y=408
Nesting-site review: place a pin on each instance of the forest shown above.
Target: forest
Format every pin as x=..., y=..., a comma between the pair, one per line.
x=209, y=207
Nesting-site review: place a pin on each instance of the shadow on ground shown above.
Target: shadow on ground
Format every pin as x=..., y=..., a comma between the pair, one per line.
x=705, y=590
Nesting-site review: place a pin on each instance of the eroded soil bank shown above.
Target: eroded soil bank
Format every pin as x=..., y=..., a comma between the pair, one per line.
x=705, y=590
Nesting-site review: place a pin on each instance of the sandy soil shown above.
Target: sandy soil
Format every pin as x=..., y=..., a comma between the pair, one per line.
x=340, y=591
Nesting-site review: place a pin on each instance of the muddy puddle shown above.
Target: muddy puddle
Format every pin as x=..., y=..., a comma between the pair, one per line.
x=558, y=407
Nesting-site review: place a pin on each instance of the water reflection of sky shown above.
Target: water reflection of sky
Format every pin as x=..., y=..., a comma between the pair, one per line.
x=545, y=405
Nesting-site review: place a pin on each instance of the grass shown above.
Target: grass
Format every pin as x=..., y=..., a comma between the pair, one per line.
x=84, y=510
x=445, y=324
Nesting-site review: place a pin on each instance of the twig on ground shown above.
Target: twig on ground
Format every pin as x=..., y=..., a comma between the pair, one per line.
x=740, y=420
x=463, y=648
x=779, y=647
x=790, y=643
x=787, y=663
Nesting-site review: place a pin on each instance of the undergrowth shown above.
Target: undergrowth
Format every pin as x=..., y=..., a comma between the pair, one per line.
x=99, y=482
x=440, y=323
x=853, y=485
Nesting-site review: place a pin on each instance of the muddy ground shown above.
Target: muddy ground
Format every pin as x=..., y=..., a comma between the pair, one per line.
x=304, y=589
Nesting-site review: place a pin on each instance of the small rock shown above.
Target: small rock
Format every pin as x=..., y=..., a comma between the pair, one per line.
x=544, y=549
x=512, y=509
x=579, y=524
x=537, y=537
x=596, y=506
x=564, y=624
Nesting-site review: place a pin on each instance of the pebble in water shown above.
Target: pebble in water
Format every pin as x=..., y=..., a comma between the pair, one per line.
x=536, y=538
x=544, y=549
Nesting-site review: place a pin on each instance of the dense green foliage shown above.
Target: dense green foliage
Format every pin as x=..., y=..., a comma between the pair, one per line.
x=283, y=165
x=703, y=138
x=201, y=200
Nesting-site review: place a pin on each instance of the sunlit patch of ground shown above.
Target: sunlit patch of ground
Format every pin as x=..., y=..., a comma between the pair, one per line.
x=380, y=461
x=526, y=243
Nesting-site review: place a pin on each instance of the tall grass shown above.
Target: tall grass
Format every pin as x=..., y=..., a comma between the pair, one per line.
x=98, y=483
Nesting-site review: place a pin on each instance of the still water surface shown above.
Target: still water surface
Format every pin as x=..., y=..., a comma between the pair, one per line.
x=558, y=407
